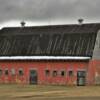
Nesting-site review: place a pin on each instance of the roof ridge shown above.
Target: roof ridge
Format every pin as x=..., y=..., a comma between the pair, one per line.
x=52, y=25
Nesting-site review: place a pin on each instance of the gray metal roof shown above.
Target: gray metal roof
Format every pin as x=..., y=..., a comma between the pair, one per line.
x=56, y=40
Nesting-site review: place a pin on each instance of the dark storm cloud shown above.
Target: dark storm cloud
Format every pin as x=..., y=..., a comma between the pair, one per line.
x=44, y=10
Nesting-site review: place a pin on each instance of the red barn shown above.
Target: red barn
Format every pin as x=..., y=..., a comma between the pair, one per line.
x=58, y=54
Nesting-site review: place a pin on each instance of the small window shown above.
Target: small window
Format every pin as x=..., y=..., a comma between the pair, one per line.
x=0, y=72
x=6, y=72
x=13, y=71
x=70, y=73
x=81, y=73
x=54, y=73
x=21, y=73
x=62, y=73
x=47, y=72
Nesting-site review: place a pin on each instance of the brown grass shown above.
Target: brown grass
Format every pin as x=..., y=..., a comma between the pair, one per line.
x=33, y=92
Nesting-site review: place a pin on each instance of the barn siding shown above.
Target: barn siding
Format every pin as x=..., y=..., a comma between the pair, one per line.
x=95, y=70
x=41, y=67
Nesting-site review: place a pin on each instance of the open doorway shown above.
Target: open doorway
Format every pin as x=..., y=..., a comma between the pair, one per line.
x=33, y=77
x=81, y=78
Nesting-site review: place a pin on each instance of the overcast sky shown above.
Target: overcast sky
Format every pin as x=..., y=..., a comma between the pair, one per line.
x=48, y=11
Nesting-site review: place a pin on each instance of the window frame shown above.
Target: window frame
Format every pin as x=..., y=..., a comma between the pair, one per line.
x=6, y=72
x=63, y=74
x=47, y=72
x=70, y=73
x=1, y=72
x=54, y=73
x=20, y=71
x=13, y=71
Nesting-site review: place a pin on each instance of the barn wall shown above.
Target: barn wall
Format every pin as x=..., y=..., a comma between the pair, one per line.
x=95, y=67
x=96, y=52
x=96, y=60
x=41, y=67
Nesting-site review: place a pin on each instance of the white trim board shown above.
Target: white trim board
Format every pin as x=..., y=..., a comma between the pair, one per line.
x=43, y=58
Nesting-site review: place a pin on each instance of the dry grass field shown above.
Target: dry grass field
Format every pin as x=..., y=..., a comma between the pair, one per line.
x=40, y=92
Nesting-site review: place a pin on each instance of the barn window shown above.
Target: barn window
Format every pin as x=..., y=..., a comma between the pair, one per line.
x=6, y=72
x=21, y=72
x=13, y=71
x=62, y=73
x=70, y=73
x=54, y=73
x=0, y=72
x=47, y=72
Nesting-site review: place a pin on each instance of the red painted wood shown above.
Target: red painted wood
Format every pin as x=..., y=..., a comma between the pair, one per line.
x=90, y=67
x=94, y=69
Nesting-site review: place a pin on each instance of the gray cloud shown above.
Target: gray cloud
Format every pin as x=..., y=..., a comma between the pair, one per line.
x=45, y=10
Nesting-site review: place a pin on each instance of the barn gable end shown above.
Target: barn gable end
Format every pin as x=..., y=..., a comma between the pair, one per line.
x=96, y=52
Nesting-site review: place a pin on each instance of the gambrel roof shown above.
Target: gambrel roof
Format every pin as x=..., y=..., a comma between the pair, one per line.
x=55, y=40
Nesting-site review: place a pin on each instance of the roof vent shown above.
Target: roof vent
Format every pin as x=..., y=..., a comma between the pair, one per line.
x=23, y=24
x=80, y=21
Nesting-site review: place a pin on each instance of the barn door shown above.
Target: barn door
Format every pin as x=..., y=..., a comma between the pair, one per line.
x=33, y=77
x=81, y=78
